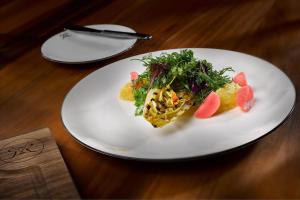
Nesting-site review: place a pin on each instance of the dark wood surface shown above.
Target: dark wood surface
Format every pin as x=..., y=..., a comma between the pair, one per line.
x=32, y=91
x=31, y=167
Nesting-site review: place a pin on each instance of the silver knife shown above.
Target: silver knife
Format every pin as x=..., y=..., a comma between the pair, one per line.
x=108, y=33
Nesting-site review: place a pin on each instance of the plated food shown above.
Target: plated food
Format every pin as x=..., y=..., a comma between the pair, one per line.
x=95, y=116
x=173, y=83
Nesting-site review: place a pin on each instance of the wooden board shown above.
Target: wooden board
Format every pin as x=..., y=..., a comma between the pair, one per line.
x=31, y=166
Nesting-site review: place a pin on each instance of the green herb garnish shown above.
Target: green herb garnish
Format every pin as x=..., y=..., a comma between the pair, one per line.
x=139, y=97
x=183, y=72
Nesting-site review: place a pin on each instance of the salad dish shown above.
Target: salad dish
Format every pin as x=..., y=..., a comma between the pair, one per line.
x=175, y=82
x=219, y=100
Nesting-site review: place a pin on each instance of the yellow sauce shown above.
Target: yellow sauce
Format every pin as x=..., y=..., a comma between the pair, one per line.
x=126, y=92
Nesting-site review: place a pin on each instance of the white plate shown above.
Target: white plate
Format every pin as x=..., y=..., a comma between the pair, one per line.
x=97, y=118
x=74, y=48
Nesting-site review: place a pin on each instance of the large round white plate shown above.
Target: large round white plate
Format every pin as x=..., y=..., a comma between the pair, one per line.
x=97, y=118
x=74, y=48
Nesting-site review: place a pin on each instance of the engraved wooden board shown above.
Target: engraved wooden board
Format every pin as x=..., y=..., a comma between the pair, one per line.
x=31, y=166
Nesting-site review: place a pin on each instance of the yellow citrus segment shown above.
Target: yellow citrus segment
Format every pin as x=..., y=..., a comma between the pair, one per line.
x=126, y=92
x=227, y=96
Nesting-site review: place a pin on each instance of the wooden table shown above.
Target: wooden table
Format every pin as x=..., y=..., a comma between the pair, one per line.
x=33, y=89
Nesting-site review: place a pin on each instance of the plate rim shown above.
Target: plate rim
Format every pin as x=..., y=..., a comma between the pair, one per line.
x=186, y=158
x=86, y=61
x=165, y=160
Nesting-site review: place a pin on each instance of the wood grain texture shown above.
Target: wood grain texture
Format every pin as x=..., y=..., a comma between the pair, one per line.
x=31, y=167
x=32, y=91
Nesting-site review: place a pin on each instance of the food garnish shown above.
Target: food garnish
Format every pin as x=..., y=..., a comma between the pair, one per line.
x=209, y=106
x=240, y=79
x=244, y=98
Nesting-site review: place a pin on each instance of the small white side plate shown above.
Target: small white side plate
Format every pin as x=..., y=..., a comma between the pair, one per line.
x=95, y=116
x=74, y=48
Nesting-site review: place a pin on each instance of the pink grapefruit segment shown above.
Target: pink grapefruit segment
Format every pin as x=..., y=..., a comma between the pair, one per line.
x=240, y=79
x=209, y=106
x=134, y=76
x=245, y=98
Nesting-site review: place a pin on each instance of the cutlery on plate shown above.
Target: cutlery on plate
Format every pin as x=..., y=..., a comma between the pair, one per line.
x=107, y=33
